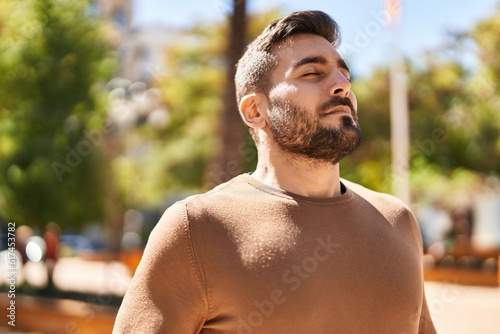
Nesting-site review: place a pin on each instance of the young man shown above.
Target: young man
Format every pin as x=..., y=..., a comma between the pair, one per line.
x=290, y=248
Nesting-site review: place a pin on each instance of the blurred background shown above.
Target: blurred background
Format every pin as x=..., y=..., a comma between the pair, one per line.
x=112, y=110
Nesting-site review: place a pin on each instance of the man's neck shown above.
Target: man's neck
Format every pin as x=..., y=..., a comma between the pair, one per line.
x=299, y=176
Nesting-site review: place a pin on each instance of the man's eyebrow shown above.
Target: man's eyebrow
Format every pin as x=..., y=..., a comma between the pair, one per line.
x=341, y=63
x=310, y=60
x=320, y=60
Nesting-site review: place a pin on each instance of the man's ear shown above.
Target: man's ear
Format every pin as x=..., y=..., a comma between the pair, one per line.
x=253, y=110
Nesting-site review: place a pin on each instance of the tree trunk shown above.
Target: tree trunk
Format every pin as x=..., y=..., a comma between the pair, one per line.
x=229, y=158
x=113, y=204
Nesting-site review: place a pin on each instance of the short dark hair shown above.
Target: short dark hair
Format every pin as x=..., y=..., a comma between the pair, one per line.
x=258, y=61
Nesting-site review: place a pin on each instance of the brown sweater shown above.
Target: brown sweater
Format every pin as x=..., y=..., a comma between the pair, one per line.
x=246, y=258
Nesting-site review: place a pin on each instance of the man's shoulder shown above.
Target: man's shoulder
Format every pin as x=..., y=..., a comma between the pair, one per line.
x=389, y=206
x=224, y=196
x=234, y=187
x=381, y=201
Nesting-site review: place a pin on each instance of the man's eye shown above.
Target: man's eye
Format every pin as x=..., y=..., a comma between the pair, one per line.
x=347, y=76
x=310, y=74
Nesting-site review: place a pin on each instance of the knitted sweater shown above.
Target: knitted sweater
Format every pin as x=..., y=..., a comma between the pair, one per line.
x=247, y=258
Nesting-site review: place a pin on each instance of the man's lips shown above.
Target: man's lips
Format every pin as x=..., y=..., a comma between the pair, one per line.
x=338, y=110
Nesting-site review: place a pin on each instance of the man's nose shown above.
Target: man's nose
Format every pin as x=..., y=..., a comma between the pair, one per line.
x=340, y=85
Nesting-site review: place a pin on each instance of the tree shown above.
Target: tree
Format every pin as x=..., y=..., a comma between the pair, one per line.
x=231, y=129
x=458, y=106
x=52, y=58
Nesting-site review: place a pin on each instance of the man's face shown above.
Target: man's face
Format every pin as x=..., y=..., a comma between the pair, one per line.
x=312, y=108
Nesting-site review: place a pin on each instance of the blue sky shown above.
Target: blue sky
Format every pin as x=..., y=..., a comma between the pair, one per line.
x=366, y=41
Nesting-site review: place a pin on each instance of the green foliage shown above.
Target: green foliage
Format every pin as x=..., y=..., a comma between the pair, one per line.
x=52, y=55
x=487, y=37
x=462, y=106
x=448, y=189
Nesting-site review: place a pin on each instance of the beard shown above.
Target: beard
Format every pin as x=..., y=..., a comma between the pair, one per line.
x=300, y=134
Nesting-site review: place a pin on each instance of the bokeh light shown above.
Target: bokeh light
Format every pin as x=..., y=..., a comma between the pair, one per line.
x=35, y=249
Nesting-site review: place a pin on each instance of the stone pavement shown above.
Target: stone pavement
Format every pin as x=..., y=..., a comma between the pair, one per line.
x=460, y=309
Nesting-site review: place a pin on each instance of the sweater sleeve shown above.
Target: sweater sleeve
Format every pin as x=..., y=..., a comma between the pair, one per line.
x=425, y=326
x=166, y=294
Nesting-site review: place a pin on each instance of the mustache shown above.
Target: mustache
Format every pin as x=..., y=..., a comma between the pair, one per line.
x=335, y=102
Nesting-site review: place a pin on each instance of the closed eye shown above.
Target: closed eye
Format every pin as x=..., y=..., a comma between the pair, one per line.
x=310, y=74
x=347, y=75
x=342, y=66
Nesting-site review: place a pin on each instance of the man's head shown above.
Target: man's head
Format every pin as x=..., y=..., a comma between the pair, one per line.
x=259, y=60
x=292, y=85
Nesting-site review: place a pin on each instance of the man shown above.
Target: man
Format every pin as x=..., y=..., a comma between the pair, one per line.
x=290, y=248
